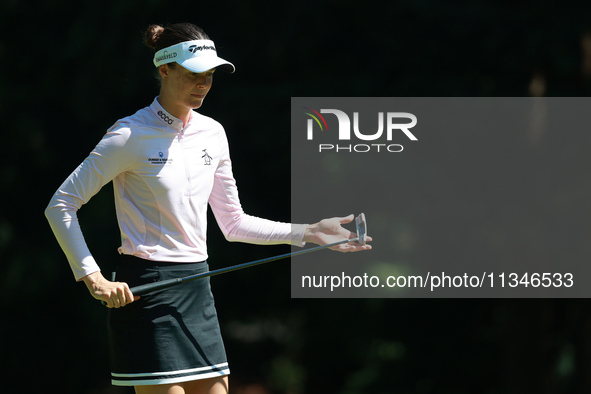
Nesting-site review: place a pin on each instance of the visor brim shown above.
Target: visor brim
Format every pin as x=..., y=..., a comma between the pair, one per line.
x=203, y=64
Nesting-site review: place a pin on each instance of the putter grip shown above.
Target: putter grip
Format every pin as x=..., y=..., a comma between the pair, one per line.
x=150, y=287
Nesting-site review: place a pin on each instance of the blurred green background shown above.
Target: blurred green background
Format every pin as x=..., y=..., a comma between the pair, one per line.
x=72, y=68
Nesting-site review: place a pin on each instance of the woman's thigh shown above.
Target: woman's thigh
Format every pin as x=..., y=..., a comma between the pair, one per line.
x=217, y=385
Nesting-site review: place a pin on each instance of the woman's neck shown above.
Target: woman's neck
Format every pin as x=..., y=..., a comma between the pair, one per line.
x=177, y=110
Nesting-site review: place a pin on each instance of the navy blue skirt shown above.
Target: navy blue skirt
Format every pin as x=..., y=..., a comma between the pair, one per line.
x=168, y=336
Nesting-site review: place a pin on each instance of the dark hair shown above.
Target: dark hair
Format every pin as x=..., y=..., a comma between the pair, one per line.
x=158, y=37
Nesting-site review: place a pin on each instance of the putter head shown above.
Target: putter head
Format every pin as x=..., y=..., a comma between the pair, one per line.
x=361, y=226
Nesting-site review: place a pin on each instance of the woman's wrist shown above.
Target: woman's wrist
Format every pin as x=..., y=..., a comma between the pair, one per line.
x=91, y=280
x=310, y=233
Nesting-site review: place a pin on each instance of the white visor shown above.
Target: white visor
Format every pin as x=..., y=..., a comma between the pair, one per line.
x=197, y=56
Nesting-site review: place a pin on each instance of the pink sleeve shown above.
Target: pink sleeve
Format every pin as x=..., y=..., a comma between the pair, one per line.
x=237, y=225
x=106, y=160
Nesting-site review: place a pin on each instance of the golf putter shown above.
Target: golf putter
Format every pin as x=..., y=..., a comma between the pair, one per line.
x=361, y=230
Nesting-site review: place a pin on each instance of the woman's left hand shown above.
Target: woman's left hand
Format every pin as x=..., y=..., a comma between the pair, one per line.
x=329, y=231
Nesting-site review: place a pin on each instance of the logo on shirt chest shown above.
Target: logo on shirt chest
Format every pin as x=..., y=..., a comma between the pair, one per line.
x=206, y=158
x=160, y=160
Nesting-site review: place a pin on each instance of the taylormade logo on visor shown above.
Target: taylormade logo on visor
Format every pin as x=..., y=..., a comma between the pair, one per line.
x=195, y=48
x=390, y=125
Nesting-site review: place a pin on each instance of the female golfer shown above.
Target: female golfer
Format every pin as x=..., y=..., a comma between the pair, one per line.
x=167, y=163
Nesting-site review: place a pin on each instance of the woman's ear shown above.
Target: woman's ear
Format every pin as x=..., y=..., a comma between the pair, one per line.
x=163, y=70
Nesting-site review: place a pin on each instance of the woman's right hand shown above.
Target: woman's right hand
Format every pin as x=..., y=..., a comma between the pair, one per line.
x=113, y=294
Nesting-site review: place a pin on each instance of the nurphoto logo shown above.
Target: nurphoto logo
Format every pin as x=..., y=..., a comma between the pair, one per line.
x=390, y=125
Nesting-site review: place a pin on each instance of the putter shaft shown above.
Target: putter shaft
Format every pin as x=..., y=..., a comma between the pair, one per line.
x=361, y=227
x=150, y=287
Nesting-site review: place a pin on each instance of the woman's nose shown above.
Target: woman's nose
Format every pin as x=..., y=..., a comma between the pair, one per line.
x=203, y=82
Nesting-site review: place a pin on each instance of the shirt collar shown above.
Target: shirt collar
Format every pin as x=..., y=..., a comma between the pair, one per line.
x=165, y=118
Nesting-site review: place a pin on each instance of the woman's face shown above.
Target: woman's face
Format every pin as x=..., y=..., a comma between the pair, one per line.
x=185, y=88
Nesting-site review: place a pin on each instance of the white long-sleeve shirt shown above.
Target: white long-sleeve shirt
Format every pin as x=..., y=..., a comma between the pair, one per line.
x=164, y=175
